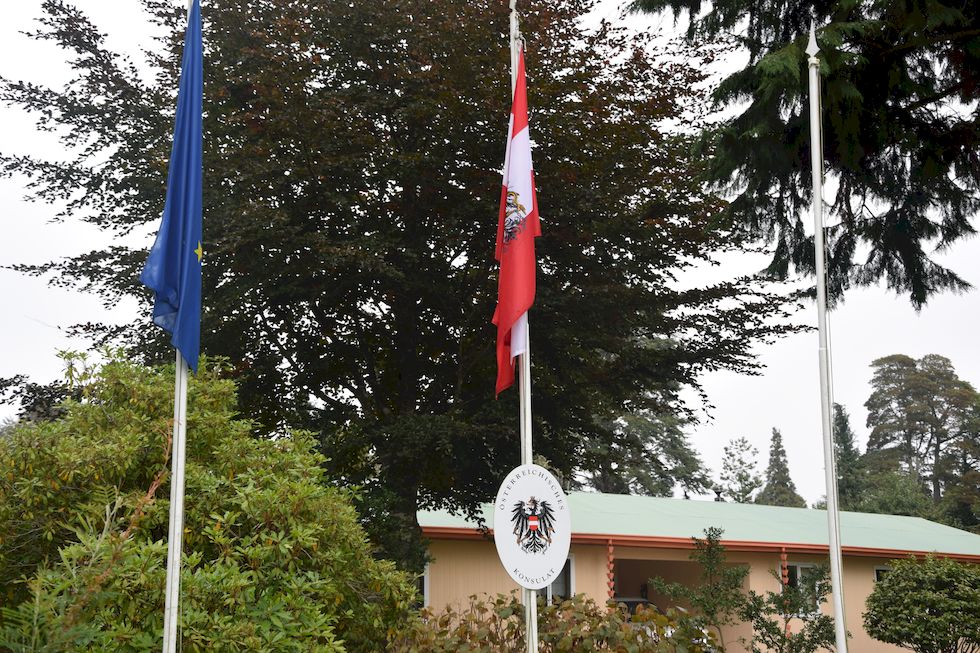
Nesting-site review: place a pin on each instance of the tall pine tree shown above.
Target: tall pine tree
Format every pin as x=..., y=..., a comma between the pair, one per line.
x=925, y=434
x=901, y=131
x=850, y=470
x=739, y=477
x=779, y=489
x=920, y=414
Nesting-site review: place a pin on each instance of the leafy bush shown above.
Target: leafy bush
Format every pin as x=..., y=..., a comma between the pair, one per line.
x=929, y=606
x=577, y=625
x=772, y=614
x=719, y=600
x=718, y=597
x=274, y=559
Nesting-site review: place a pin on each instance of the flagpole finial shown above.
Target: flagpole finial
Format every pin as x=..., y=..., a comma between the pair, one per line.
x=811, y=48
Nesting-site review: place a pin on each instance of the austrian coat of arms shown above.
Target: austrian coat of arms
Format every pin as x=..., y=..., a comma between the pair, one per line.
x=515, y=217
x=534, y=524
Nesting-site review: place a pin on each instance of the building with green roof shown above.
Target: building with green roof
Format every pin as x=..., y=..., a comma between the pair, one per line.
x=620, y=541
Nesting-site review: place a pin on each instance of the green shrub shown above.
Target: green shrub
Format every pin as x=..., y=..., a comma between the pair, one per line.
x=274, y=559
x=717, y=598
x=574, y=626
x=929, y=606
x=790, y=620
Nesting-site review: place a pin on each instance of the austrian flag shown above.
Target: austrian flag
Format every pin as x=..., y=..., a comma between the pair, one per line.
x=516, y=230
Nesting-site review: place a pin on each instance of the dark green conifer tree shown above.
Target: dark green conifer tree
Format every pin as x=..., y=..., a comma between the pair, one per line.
x=850, y=471
x=739, y=476
x=925, y=435
x=900, y=132
x=921, y=416
x=779, y=489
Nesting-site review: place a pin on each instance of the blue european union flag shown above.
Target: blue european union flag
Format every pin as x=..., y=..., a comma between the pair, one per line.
x=173, y=269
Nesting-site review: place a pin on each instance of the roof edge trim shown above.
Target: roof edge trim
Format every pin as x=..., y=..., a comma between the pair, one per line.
x=656, y=542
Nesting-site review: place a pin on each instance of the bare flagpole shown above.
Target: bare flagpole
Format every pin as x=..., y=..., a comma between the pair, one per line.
x=524, y=364
x=826, y=394
x=176, y=534
x=175, y=537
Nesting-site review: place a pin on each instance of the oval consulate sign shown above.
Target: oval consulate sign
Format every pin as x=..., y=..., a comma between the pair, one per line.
x=532, y=526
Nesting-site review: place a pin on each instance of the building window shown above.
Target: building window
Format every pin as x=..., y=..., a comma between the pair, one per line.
x=564, y=585
x=804, y=575
x=422, y=585
x=880, y=573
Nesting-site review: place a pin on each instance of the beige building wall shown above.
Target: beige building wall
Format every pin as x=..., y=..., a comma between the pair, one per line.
x=589, y=571
x=859, y=581
x=462, y=568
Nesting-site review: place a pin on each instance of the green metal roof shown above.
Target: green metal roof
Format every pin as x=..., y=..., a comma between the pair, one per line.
x=627, y=515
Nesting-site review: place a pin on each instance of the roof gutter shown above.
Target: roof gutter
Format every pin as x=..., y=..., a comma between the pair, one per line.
x=656, y=542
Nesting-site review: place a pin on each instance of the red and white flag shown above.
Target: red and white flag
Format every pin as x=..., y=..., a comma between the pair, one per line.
x=516, y=230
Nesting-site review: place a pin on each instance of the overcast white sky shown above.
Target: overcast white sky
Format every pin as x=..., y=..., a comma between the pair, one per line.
x=870, y=324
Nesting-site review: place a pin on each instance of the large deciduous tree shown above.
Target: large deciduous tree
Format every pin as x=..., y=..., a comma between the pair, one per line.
x=896, y=493
x=351, y=179
x=961, y=499
x=779, y=489
x=901, y=131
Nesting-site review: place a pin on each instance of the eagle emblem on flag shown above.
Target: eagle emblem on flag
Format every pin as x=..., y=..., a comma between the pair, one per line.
x=534, y=524
x=515, y=217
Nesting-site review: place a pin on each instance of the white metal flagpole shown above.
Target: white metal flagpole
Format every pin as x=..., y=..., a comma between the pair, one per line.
x=176, y=535
x=515, y=37
x=530, y=596
x=826, y=396
x=527, y=457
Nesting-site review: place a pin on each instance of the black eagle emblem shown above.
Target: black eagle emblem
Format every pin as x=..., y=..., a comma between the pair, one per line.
x=515, y=217
x=534, y=524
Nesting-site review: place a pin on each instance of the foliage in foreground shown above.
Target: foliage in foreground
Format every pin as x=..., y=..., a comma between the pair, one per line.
x=577, y=625
x=274, y=559
x=928, y=606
